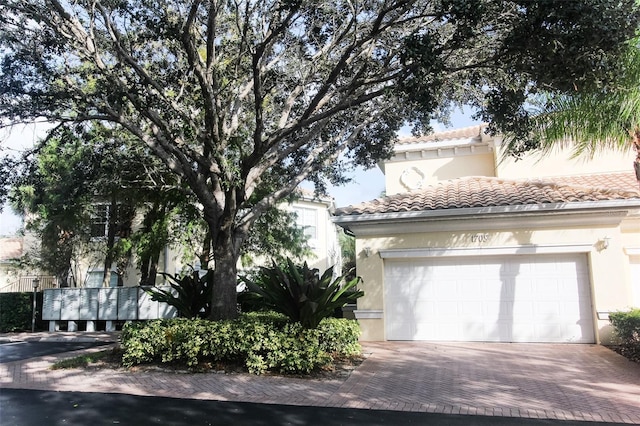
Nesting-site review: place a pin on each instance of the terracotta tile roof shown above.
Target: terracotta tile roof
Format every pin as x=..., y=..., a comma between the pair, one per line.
x=484, y=191
x=626, y=181
x=454, y=134
x=10, y=248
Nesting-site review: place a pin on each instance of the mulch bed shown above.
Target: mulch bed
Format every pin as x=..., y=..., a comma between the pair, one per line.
x=631, y=352
x=340, y=369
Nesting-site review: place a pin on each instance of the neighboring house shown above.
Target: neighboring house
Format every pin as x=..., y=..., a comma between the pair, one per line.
x=313, y=214
x=13, y=276
x=466, y=247
x=10, y=252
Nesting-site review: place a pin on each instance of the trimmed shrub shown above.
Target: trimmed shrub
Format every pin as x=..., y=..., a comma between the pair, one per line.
x=627, y=325
x=16, y=311
x=261, y=341
x=340, y=336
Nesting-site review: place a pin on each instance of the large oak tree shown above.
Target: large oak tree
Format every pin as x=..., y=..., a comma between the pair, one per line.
x=236, y=96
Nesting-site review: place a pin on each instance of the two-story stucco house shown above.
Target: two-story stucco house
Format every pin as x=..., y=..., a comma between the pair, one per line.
x=313, y=214
x=466, y=247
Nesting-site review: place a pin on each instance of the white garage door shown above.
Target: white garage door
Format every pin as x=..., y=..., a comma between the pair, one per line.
x=532, y=298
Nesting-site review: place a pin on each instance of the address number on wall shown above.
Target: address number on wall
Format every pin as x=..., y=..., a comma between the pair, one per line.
x=480, y=238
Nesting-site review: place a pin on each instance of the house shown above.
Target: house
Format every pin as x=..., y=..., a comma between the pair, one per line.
x=10, y=252
x=13, y=275
x=466, y=247
x=313, y=215
x=94, y=306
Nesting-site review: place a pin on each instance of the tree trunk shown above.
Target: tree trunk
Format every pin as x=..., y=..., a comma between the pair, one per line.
x=149, y=269
x=635, y=135
x=224, y=301
x=205, y=254
x=111, y=238
x=153, y=269
x=144, y=270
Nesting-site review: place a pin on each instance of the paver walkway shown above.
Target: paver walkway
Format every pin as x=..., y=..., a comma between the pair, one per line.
x=576, y=382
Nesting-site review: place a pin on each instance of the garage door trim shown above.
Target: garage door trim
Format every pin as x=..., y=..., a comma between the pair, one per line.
x=485, y=251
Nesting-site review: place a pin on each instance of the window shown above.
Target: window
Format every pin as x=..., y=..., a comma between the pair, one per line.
x=101, y=215
x=100, y=220
x=307, y=219
x=94, y=279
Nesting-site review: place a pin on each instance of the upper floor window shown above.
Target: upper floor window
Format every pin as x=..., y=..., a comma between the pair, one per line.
x=104, y=215
x=100, y=220
x=307, y=219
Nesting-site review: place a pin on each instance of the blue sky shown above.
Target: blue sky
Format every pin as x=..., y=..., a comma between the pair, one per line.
x=366, y=185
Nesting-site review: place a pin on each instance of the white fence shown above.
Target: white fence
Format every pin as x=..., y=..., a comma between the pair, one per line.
x=25, y=284
x=100, y=304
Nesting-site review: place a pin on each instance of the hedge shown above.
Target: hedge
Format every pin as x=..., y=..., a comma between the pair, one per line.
x=16, y=311
x=627, y=325
x=259, y=341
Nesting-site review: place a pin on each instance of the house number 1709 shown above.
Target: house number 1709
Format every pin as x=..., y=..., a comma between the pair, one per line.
x=480, y=238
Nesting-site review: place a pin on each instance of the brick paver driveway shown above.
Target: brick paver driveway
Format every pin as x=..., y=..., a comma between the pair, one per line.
x=587, y=382
x=581, y=382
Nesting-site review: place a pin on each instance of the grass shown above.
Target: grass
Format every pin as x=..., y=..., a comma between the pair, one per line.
x=86, y=360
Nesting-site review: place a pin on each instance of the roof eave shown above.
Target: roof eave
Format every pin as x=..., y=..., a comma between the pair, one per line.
x=462, y=213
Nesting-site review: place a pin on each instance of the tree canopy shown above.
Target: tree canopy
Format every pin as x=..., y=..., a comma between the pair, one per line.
x=588, y=121
x=239, y=96
x=83, y=182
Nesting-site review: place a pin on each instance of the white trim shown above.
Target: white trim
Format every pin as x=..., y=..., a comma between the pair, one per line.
x=485, y=251
x=481, y=211
x=632, y=251
x=368, y=313
x=428, y=150
x=394, y=224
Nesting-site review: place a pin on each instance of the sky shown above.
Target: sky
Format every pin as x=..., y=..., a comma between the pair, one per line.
x=366, y=185
x=14, y=142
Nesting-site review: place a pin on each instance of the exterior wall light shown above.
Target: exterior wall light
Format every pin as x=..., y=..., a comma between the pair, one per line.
x=367, y=251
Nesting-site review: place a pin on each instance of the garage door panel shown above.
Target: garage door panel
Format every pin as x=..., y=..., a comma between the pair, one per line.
x=488, y=298
x=404, y=330
x=472, y=308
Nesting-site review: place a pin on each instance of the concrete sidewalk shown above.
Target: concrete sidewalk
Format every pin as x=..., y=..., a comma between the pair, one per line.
x=564, y=382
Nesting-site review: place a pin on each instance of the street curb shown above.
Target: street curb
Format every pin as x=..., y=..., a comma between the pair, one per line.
x=77, y=337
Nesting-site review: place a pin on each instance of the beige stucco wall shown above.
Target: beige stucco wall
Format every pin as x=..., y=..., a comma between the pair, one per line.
x=325, y=248
x=560, y=163
x=611, y=282
x=426, y=164
x=437, y=169
x=437, y=164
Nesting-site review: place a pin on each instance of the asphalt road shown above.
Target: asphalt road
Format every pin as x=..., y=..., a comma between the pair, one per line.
x=16, y=351
x=22, y=407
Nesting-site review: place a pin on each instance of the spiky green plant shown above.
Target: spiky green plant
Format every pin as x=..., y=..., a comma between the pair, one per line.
x=300, y=293
x=192, y=297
